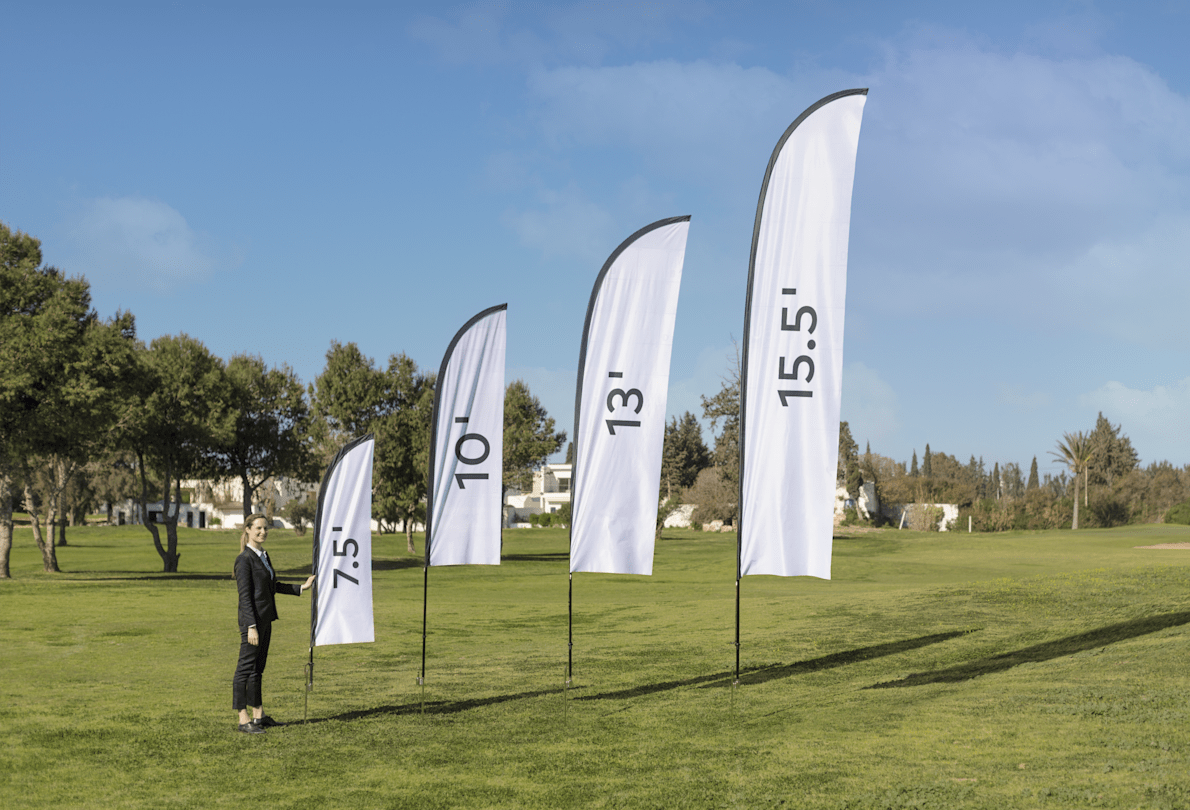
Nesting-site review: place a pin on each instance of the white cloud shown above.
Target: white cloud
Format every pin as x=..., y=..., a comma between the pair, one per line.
x=1157, y=420
x=133, y=241
x=565, y=224
x=1020, y=184
x=667, y=125
x=1016, y=396
x=494, y=33
x=1135, y=284
x=1006, y=181
x=474, y=36
x=704, y=122
x=869, y=405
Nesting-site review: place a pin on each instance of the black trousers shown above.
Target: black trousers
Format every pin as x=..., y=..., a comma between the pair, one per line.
x=245, y=684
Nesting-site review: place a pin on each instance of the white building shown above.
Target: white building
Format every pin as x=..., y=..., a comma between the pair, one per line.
x=224, y=499
x=219, y=503
x=551, y=489
x=195, y=516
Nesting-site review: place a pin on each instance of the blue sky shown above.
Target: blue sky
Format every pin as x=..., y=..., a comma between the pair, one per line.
x=269, y=177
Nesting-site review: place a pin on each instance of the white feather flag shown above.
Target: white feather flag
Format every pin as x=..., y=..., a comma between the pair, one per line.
x=623, y=380
x=793, y=343
x=343, y=548
x=467, y=446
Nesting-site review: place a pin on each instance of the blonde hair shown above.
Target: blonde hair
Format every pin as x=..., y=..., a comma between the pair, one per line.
x=248, y=521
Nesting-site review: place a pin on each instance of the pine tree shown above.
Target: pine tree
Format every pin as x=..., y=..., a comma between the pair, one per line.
x=867, y=468
x=927, y=468
x=1033, y=481
x=724, y=409
x=1112, y=454
x=683, y=453
x=913, y=471
x=848, y=473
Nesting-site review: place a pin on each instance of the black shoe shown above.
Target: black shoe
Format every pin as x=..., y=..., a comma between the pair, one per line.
x=266, y=722
x=251, y=728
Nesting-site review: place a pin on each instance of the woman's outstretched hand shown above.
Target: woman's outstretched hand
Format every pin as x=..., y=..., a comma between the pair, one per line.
x=309, y=582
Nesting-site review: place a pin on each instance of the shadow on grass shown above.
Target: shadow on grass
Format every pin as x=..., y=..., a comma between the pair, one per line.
x=399, y=564
x=772, y=672
x=298, y=574
x=550, y=557
x=1043, y=652
x=114, y=576
x=435, y=706
x=752, y=675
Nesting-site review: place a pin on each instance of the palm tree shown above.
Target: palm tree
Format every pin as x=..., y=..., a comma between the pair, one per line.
x=1075, y=451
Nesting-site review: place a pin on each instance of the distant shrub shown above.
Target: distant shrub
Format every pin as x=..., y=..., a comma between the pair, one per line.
x=545, y=519
x=562, y=516
x=300, y=512
x=1107, y=512
x=991, y=515
x=1179, y=514
x=923, y=517
x=714, y=498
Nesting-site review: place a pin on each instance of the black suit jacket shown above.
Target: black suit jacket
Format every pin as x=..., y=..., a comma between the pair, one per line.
x=256, y=587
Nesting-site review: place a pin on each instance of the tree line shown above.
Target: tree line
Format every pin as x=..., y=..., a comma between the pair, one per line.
x=1103, y=483
x=89, y=414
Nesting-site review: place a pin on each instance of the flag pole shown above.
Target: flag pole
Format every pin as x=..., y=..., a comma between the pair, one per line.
x=570, y=631
x=309, y=686
x=313, y=622
x=421, y=679
x=736, y=682
x=738, y=557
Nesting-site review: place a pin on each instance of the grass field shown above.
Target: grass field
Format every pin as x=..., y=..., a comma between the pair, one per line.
x=1020, y=670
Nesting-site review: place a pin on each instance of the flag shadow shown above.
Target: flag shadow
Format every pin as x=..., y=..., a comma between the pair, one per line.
x=1070, y=645
x=772, y=672
x=399, y=564
x=100, y=576
x=560, y=556
x=436, y=706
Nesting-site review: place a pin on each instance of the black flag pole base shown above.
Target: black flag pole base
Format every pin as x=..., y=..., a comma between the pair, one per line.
x=735, y=682
x=306, y=694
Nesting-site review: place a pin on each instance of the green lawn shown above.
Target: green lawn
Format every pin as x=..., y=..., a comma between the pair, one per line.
x=1020, y=670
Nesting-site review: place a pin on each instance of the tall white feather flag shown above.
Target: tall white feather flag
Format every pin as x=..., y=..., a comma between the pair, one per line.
x=623, y=379
x=342, y=610
x=793, y=343
x=467, y=446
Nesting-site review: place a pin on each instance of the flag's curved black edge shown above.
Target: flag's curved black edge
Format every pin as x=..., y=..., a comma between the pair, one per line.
x=330, y=470
x=582, y=354
x=450, y=350
x=764, y=188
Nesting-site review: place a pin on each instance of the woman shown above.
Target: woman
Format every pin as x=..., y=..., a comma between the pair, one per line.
x=256, y=582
